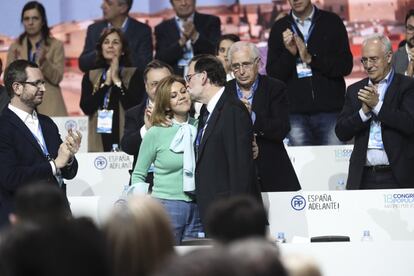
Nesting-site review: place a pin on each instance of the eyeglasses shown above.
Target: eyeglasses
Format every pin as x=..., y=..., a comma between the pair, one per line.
x=245, y=65
x=189, y=77
x=409, y=28
x=372, y=60
x=38, y=83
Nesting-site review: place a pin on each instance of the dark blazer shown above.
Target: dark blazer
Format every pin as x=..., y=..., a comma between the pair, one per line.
x=397, y=124
x=134, y=120
x=4, y=98
x=224, y=165
x=167, y=36
x=22, y=161
x=271, y=126
x=139, y=40
x=331, y=61
x=400, y=60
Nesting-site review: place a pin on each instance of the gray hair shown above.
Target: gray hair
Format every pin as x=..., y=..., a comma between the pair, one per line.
x=237, y=46
x=383, y=39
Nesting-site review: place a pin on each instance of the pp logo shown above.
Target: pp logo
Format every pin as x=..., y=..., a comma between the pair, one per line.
x=100, y=162
x=71, y=124
x=298, y=202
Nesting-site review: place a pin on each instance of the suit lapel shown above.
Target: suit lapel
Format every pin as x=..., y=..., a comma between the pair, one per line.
x=212, y=121
x=258, y=95
x=392, y=89
x=22, y=128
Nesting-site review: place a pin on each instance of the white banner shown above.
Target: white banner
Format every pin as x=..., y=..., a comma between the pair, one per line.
x=78, y=123
x=386, y=214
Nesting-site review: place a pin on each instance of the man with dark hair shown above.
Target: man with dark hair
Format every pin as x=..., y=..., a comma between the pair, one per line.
x=266, y=100
x=309, y=51
x=378, y=113
x=31, y=149
x=403, y=59
x=4, y=98
x=224, y=162
x=236, y=218
x=137, y=119
x=188, y=34
x=40, y=204
x=115, y=14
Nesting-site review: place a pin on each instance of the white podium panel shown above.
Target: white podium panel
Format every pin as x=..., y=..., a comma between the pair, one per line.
x=79, y=123
x=100, y=174
x=387, y=214
x=321, y=168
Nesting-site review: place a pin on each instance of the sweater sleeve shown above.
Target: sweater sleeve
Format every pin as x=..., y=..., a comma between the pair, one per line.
x=146, y=156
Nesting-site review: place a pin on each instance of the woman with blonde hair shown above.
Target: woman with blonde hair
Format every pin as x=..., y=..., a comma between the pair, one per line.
x=171, y=149
x=139, y=237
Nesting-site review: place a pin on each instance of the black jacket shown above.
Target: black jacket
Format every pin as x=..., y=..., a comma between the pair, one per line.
x=331, y=61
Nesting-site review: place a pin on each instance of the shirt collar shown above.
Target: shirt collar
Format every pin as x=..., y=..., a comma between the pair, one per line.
x=214, y=100
x=23, y=115
x=386, y=79
x=308, y=18
x=407, y=49
x=252, y=89
x=123, y=24
x=180, y=20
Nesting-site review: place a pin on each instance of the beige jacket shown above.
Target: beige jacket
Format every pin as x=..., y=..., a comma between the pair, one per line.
x=52, y=69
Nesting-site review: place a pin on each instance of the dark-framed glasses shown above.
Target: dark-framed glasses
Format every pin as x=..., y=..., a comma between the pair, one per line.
x=38, y=83
x=189, y=77
x=247, y=65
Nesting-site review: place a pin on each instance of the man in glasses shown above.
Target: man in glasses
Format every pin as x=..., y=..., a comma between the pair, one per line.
x=224, y=156
x=31, y=150
x=403, y=59
x=309, y=51
x=378, y=113
x=266, y=100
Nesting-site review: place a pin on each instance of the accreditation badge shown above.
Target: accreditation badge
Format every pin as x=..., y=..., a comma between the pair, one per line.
x=104, y=124
x=375, y=136
x=303, y=69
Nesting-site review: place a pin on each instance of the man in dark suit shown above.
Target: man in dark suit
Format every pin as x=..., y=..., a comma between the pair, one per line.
x=224, y=162
x=379, y=114
x=188, y=34
x=138, y=35
x=266, y=101
x=31, y=150
x=137, y=119
x=403, y=59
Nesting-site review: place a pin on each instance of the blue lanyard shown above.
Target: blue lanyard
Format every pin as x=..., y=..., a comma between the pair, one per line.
x=108, y=93
x=32, y=57
x=41, y=141
x=297, y=31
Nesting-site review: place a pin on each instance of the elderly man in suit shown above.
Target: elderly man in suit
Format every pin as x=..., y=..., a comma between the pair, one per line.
x=115, y=14
x=224, y=162
x=403, y=59
x=379, y=114
x=31, y=150
x=188, y=34
x=266, y=100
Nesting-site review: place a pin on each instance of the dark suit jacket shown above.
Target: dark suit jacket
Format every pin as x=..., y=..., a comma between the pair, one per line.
x=139, y=40
x=22, y=161
x=134, y=120
x=397, y=124
x=400, y=60
x=4, y=98
x=271, y=126
x=224, y=165
x=167, y=36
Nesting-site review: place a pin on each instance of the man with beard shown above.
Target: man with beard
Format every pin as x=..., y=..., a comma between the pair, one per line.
x=403, y=59
x=31, y=150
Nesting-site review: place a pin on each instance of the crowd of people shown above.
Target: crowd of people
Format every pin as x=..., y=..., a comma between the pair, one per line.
x=207, y=132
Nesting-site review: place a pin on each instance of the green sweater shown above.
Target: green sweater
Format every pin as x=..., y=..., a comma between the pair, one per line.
x=168, y=173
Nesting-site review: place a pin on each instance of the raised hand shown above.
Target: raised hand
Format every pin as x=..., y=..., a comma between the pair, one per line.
x=289, y=42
